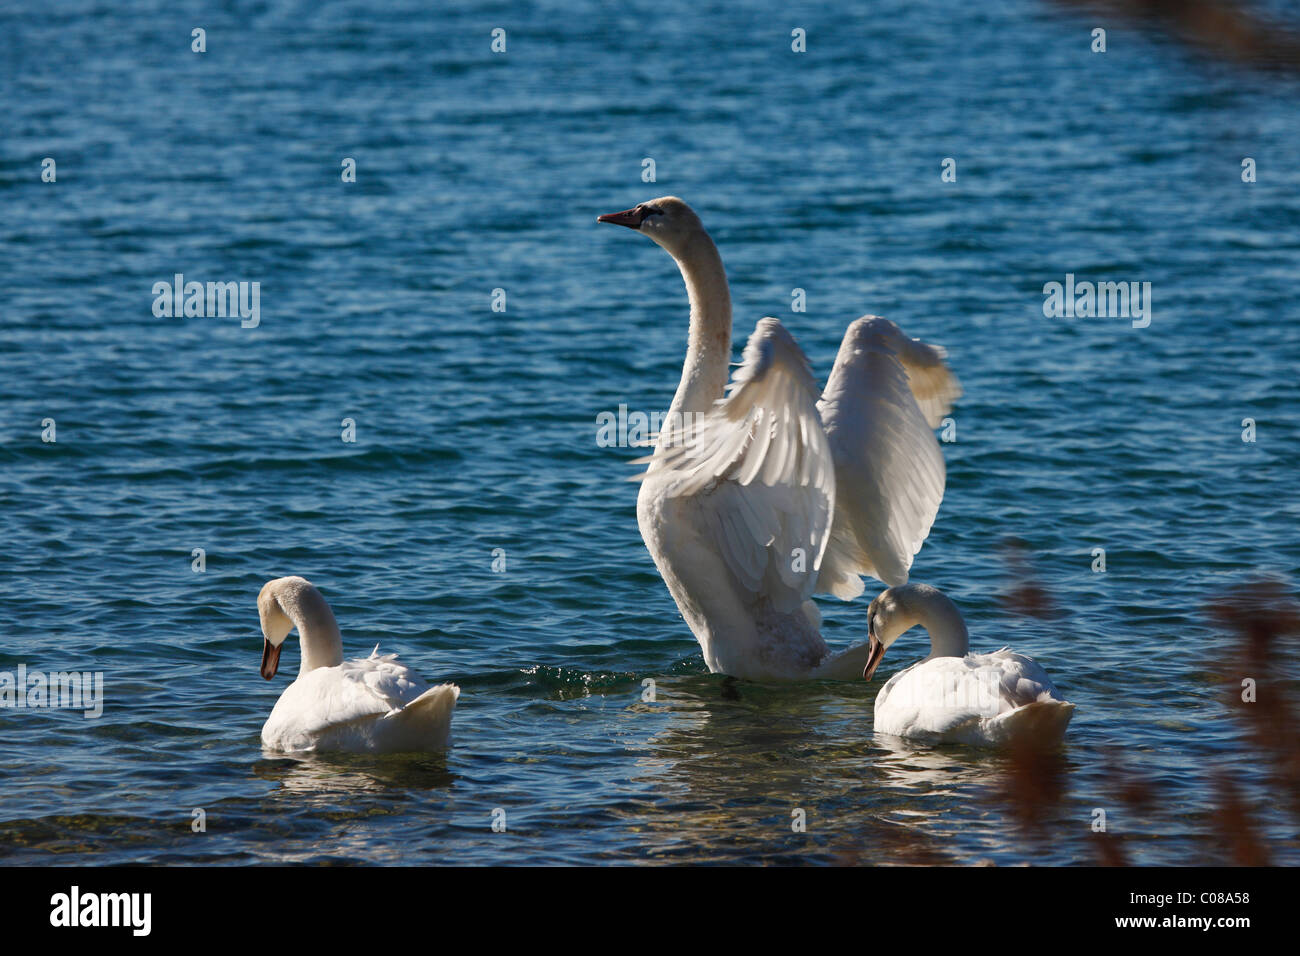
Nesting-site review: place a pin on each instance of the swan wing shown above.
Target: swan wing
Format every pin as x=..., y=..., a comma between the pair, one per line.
x=885, y=395
x=380, y=677
x=759, y=465
x=1021, y=680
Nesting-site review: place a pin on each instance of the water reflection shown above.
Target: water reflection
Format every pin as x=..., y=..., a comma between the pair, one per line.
x=326, y=776
x=735, y=763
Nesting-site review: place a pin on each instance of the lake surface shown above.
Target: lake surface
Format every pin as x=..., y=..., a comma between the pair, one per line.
x=475, y=429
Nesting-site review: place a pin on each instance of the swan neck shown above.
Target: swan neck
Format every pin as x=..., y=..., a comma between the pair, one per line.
x=944, y=623
x=318, y=632
x=708, y=350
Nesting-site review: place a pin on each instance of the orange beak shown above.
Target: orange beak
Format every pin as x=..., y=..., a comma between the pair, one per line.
x=270, y=658
x=628, y=217
x=875, y=651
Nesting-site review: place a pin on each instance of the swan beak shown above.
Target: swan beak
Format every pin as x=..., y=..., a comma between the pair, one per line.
x=875, y=651
x=628, y=217
x=270, y=658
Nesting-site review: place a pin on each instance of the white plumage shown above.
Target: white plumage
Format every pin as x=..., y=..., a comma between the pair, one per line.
x=885, y=395
x=765, y=491
x=367, y=705
x=953, y=696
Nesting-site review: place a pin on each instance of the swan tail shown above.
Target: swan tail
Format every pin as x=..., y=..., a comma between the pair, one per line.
x=427, y=719
x=1041, y=723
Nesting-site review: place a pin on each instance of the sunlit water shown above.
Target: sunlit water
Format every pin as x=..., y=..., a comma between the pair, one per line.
x=475, y=429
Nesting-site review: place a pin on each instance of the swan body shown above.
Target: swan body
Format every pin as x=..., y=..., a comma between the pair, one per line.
x=767, y=490
x=367, y=705
x=953, y=696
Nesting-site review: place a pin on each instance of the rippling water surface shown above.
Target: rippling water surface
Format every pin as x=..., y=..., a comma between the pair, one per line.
x=475, y=429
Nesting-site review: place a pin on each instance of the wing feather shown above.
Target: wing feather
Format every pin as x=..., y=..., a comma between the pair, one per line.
x=884, y=397
x=760, y=465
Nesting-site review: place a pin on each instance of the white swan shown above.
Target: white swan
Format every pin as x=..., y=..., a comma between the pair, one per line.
x=758, y=495
x=953, y=696
x=368, y=705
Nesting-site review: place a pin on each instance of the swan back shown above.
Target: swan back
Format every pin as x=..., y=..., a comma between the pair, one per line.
x=372, y=704
x=979, y=699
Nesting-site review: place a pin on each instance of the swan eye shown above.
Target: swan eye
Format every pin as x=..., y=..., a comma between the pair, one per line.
x=652, y=210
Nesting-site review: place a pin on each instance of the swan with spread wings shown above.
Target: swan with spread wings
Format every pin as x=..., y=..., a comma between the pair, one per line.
x=767, y=490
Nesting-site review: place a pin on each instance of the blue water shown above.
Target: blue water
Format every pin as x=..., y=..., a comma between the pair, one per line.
x=476, y=429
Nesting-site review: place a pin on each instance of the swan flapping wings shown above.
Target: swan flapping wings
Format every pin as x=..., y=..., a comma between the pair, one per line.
x=762, y=492
x=810, y=495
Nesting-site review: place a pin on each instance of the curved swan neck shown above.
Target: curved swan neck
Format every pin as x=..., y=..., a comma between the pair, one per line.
x=708, y=351
x=318, y=632
x=933, y=610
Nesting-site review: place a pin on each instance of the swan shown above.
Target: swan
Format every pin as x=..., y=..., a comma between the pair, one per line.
x=762, y=492
x=367, y=705
x=954, y=696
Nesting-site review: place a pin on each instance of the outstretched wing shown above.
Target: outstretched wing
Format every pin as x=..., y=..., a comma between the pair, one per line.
x=760, y=466
x=885, y=396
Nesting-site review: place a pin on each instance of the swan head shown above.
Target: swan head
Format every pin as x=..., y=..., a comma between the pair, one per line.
x=276, y=624
x=667, y=220
x=898, y=609
x=888, y=618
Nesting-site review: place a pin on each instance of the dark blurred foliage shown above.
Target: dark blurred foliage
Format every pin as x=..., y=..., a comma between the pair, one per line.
x=1026, y=596
x=1033, y=785
x=1235, y=32
x=1262, y=620
x=1265, y=621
